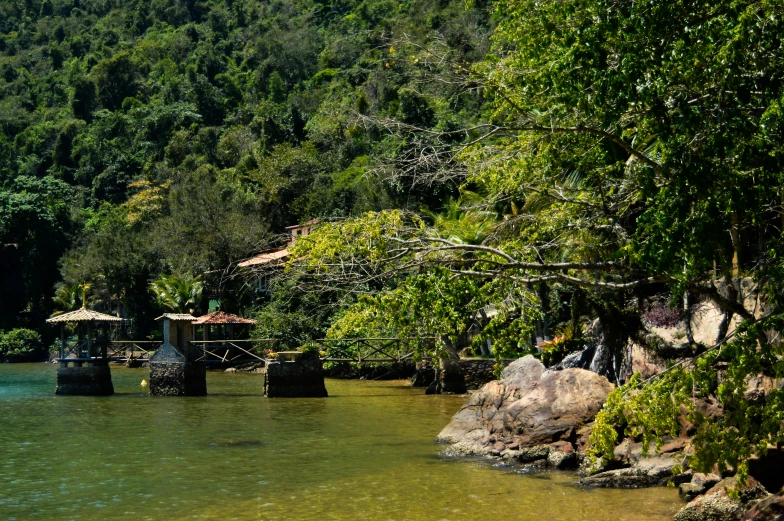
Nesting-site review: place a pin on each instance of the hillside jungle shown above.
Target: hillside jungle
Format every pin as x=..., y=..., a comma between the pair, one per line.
x=546, y=175
x=160, y=139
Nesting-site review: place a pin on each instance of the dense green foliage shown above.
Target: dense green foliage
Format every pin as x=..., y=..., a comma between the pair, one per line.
x=633, y=152
x=21, y=345
x=146, y=138
x=549, y=160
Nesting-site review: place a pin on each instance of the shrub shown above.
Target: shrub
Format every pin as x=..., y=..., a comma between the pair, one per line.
x=21, y=345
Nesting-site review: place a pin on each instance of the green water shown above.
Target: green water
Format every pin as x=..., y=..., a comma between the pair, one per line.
x=366, y=452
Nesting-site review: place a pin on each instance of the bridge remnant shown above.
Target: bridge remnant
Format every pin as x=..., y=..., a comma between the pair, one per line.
x=174, y=370
x=300, y=377
x=84, y=366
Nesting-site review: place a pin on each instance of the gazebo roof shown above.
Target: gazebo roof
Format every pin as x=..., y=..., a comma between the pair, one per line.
x=83, y=315
x=177, y=316
x=221, y=317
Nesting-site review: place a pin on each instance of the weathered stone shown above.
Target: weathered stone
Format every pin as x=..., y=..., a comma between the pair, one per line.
x=528, y=408
x=530, y=454
x=705, y=481
x=647, y=472
x=479, y=371
x=425, y=374
x=642, y=470
x=177, y=378
x=579, y=359
x=699, y=484
x=174, y=374
x=770, y=509
x=473, y=422
x=562, y=456
x=560, y=403
x=758, y=387
x=302, y=377
x=523, y=373
x=688, y=491
x=717, y=505
x=88, y=380
x=450, y=378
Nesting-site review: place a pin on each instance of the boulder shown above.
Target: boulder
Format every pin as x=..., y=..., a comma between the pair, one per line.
x=527, y=409
x=699, y=484
x=767, y=469
x=717, y=505
x=648, y=472
x=770, y=509
x=559, y=403
x=652, y=469
x=523, y=373
x=562, y=456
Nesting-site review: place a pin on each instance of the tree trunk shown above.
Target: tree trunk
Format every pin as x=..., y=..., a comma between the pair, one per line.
x=735, y=236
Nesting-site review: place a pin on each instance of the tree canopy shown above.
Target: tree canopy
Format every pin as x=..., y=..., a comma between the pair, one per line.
x=630, y=150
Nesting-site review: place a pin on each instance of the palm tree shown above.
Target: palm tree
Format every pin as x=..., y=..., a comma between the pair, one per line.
x=463, y=220
x=177, y=293
x=67, y=298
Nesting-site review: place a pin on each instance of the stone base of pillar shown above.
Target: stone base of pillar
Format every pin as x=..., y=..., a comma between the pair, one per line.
x=88, y=380
x=170, y=378
x=301, y=378
x=450, y=379
x=172, y=375
x=425, y=374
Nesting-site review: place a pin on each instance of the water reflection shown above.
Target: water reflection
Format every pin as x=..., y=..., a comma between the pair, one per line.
x=364, y=453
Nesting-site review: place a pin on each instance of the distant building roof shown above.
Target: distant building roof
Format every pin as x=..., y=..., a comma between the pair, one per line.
x=83, y=315
x=276, y=256
x=311, y=222
x=221, y=317
x=177, y=316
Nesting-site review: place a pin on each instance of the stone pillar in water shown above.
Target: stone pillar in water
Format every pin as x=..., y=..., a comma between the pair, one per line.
x=450, y=379
x=300, y=378
x=174, y=370
x=84, y=379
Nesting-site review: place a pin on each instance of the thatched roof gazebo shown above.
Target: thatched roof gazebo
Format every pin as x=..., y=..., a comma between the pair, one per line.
x=86, y=321
x=95, y=379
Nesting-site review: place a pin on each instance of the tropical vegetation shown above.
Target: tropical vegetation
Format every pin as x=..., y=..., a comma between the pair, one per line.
x=561, y=162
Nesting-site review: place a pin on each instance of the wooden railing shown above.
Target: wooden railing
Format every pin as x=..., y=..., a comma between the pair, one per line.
x=354, y=350
x=232, y=351
x=372, y=350
x=130, y=350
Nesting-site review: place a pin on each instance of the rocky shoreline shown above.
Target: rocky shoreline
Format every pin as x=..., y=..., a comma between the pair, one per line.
x=541, y=418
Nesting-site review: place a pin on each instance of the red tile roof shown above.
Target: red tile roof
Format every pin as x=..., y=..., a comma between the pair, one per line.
x=277, y=256
x=221, y=317
x=311, y=222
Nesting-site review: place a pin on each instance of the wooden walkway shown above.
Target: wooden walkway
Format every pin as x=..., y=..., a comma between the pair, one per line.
x=349, y=350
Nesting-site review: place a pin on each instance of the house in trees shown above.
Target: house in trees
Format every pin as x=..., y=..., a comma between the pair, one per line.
x=263, y=267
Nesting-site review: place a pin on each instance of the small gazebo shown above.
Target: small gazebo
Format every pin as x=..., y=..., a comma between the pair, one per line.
x=222, y=326
x=90, y=348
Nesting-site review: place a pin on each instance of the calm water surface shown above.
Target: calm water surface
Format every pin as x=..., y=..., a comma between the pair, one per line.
x=366, y=452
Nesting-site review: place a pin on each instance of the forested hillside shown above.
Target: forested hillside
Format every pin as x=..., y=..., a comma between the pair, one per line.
x=149, y=138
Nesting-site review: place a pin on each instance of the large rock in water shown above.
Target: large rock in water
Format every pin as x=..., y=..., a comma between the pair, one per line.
x=771, y=509
x=528, y=407
x=654, y=468
x=717, y=505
